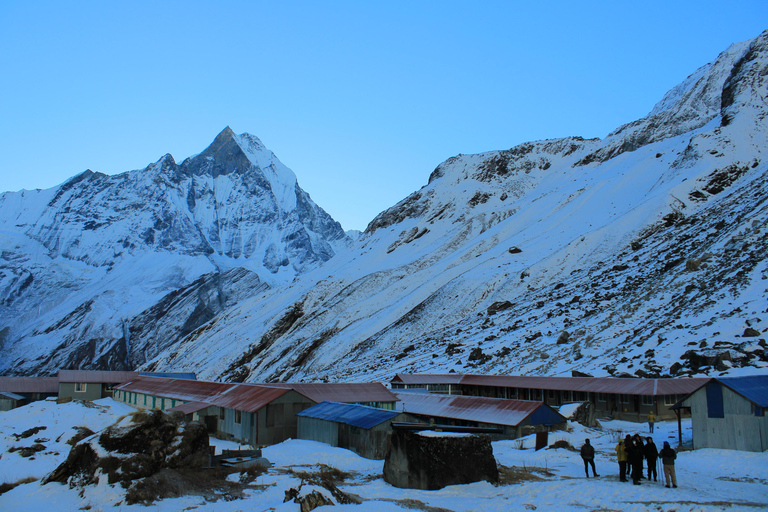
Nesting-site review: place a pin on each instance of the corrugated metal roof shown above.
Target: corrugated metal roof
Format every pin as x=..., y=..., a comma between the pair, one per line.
x=180, y=389
x=629, y=386
x=190, y=407
x=352, y=392
x=754, y=388
x=12, y=396
x=95, y=376
x=244, y=397
x=29, y=384
x=247, y=397
x=169, y=375
x=418, y=378
x=351, y=414
x=495, y=411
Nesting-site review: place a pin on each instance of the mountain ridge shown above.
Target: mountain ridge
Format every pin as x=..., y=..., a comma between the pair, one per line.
x=641, y=254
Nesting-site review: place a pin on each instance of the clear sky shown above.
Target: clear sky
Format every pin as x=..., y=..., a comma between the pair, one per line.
x=361, y=99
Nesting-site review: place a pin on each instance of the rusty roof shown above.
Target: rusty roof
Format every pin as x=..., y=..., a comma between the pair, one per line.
x=180, y=389
x=248, y=397
x=96, y=376
x=30, y=384
x=425, y=378
x=351, y=392
x=629, y=386
x=495, y=411
x=190, y=407
x=243, y=397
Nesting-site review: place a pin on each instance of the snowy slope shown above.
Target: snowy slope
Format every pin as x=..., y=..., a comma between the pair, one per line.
x=106, y=271
x=640, y=254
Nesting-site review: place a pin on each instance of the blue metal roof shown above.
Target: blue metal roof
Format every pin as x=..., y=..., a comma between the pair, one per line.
x=352, y=414
x=754, y=388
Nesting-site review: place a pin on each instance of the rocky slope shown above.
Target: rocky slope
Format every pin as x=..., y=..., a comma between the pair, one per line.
x=107, y=271
x=640, y=254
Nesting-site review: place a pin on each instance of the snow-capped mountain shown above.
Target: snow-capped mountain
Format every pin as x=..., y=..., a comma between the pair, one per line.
x=107, y=271
x=642, y=254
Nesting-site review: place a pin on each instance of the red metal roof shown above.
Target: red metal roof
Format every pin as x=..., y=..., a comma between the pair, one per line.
x=96, y=376
x=189, y=407
x=243, y=397
x=30, y=384
x=496, y=411
x=180, y=389
x=352, y=392
x=419, y=378
x=248, y=398
x=629, y=386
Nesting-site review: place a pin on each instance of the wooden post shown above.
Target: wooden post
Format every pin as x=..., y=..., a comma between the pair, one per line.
x=679, y=429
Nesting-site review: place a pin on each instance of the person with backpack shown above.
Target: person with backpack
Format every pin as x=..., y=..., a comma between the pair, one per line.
x=651, y=455
x=668, y=457
x=588, y=456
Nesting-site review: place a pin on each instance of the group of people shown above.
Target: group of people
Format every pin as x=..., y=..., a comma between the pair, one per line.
x=631, y=452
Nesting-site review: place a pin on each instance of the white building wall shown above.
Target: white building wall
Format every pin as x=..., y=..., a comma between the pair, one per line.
x=740, y=429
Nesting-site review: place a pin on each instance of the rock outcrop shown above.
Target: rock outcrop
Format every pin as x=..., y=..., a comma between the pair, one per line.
x=140, y=446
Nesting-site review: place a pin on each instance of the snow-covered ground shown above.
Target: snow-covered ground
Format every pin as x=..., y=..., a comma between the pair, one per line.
x=707, y=479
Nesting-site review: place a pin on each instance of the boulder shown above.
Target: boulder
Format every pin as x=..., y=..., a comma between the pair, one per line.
x=433, y=461
x=135, y=448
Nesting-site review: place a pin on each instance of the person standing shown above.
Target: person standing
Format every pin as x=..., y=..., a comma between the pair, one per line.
x=588, y=456
x=668, y=457
x=636, y=460
x=639, y=442
x=621, y=454
x=651, y=455
x=651, y=421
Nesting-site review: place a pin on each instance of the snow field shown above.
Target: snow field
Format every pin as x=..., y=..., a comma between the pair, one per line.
x=707, y=479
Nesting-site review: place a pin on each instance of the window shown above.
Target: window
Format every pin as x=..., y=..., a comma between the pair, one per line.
x=601, y=397
x=222, y=413
x=80, y=387
x=238, y=416
x=623, y=398
x=757, y=410
x=511, y=392
x=536, y=395
x=567, y=396
x=670, y=399
x=647, y=400
x=551, y=394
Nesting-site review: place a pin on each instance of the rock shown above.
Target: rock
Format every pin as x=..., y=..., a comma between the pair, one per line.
x=514, y=250
x=416, y=461
x=577, y=373
x=313, y=500
x=693, y=265
x=151, y=442
x=499, y=306
x=750, y=332
x=563, y=338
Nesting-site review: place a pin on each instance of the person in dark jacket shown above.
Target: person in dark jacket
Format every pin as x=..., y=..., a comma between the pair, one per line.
x=636, y=460
x=621, y=455
x=639, y=441
x=588, y=456
x=651, y=455
x=668, y=457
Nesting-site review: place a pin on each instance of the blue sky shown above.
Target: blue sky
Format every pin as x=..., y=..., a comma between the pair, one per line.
x=361, y=99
